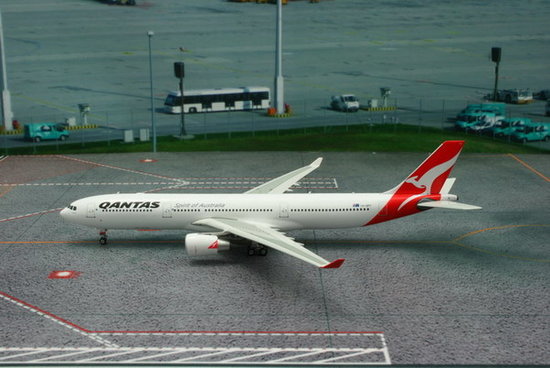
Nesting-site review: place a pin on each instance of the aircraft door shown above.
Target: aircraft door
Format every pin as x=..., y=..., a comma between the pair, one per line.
x=90, y=213
x=283, y=210
x=166, y=210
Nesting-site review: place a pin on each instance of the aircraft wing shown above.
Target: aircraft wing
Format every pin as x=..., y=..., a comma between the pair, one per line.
x=270, y=237
x=283, y=183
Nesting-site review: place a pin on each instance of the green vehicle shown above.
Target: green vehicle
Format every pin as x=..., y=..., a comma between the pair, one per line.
x=507, y=126
x=532, y=132
x=37, y=132
x=495, y=108
x=477, y=119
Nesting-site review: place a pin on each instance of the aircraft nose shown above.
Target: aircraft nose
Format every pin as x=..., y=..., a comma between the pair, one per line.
x=64, y=212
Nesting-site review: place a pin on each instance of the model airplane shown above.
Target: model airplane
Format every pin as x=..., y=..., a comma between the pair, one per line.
x=261, y=215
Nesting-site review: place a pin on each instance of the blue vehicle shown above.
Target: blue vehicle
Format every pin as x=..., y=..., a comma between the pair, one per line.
x=507, y=126
x=37, y=132
x=477, y=121
x=471, y=109
x=532, y=132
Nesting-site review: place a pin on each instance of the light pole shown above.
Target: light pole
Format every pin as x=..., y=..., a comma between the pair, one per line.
x=179, y=71
x=150, y=34
x=279, y=80
x=7, y=114
x=495, y=57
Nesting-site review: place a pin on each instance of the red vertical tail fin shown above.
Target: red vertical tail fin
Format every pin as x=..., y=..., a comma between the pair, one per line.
x=427, y=180
x=429, y=177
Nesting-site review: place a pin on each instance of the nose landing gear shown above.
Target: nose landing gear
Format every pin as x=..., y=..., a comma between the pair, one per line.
x=103, y=237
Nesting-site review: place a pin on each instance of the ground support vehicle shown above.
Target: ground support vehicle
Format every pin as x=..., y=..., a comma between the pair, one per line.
x=120, y=2
x=220, y=99
x=347, y=103
x=477, y=121
x=506, y=127
x=497, y=108
x=543, y=95
x=532, y=132
x=46, y=131
x=515, y=96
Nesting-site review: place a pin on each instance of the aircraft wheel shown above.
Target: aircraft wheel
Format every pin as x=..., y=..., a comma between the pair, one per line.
x=263, y=252
x=103, y=240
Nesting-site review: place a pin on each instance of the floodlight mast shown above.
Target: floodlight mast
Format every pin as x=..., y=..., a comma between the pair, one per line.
x=7, y=114
x=150, y=35
x=279, y=80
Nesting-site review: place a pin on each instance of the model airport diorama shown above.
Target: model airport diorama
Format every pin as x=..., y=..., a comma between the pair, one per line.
x=444, y=287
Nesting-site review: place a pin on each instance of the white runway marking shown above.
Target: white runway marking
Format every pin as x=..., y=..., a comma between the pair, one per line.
x=30, y=214
x=55, y=319
x=311, y=183
x=198, y=355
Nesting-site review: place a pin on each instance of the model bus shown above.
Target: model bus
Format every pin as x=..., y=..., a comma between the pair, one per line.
x=220, y=99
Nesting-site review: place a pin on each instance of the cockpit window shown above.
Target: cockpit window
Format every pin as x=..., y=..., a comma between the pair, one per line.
x=71, y=207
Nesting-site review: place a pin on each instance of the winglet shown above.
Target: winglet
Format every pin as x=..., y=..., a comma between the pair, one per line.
x=334, y=264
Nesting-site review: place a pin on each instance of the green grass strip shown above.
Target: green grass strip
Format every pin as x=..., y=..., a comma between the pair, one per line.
x=354, y=138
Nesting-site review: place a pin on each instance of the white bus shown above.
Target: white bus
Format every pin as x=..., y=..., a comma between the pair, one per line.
x=220, y=99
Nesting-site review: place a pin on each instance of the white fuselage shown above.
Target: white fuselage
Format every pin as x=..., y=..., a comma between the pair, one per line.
x=180, y=211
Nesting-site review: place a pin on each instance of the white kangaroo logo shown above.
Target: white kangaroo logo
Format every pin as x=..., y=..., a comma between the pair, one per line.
x=426, y=181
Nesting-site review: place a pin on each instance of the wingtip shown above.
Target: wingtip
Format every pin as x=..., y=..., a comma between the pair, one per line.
x=335, y=264
x=317, y=162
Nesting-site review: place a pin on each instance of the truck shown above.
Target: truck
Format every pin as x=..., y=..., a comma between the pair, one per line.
x=515, y=96
x=347, y=103
x=532, y=132
x=37, y=132
x=119, y=2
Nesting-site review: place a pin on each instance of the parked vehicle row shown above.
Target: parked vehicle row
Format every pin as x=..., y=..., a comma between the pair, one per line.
x=490, y=119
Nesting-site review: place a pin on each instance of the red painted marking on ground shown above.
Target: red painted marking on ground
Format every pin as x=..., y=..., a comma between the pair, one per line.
x=183, y=331
x=245, y=332
x=36, y=309
x=64, y=275
x=148, y=160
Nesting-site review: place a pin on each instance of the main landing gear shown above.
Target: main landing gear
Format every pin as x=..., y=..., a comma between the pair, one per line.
x=103, y=237
x=256, y=249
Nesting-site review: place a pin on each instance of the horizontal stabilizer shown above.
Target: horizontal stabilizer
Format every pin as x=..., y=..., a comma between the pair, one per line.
x=447, y=204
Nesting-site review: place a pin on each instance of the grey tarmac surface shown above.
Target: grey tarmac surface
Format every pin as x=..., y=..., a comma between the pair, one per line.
x=441, y=287
x=434, y=56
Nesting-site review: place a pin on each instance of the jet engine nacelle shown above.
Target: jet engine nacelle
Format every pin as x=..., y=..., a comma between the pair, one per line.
x=204, y=244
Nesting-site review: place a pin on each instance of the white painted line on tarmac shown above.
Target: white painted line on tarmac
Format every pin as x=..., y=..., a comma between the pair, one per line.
x=60, y=322
x=272, y=351
x=65, y=355
x=115, y=167
x=30, y=214
x=205, y=355
x=119, y=353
